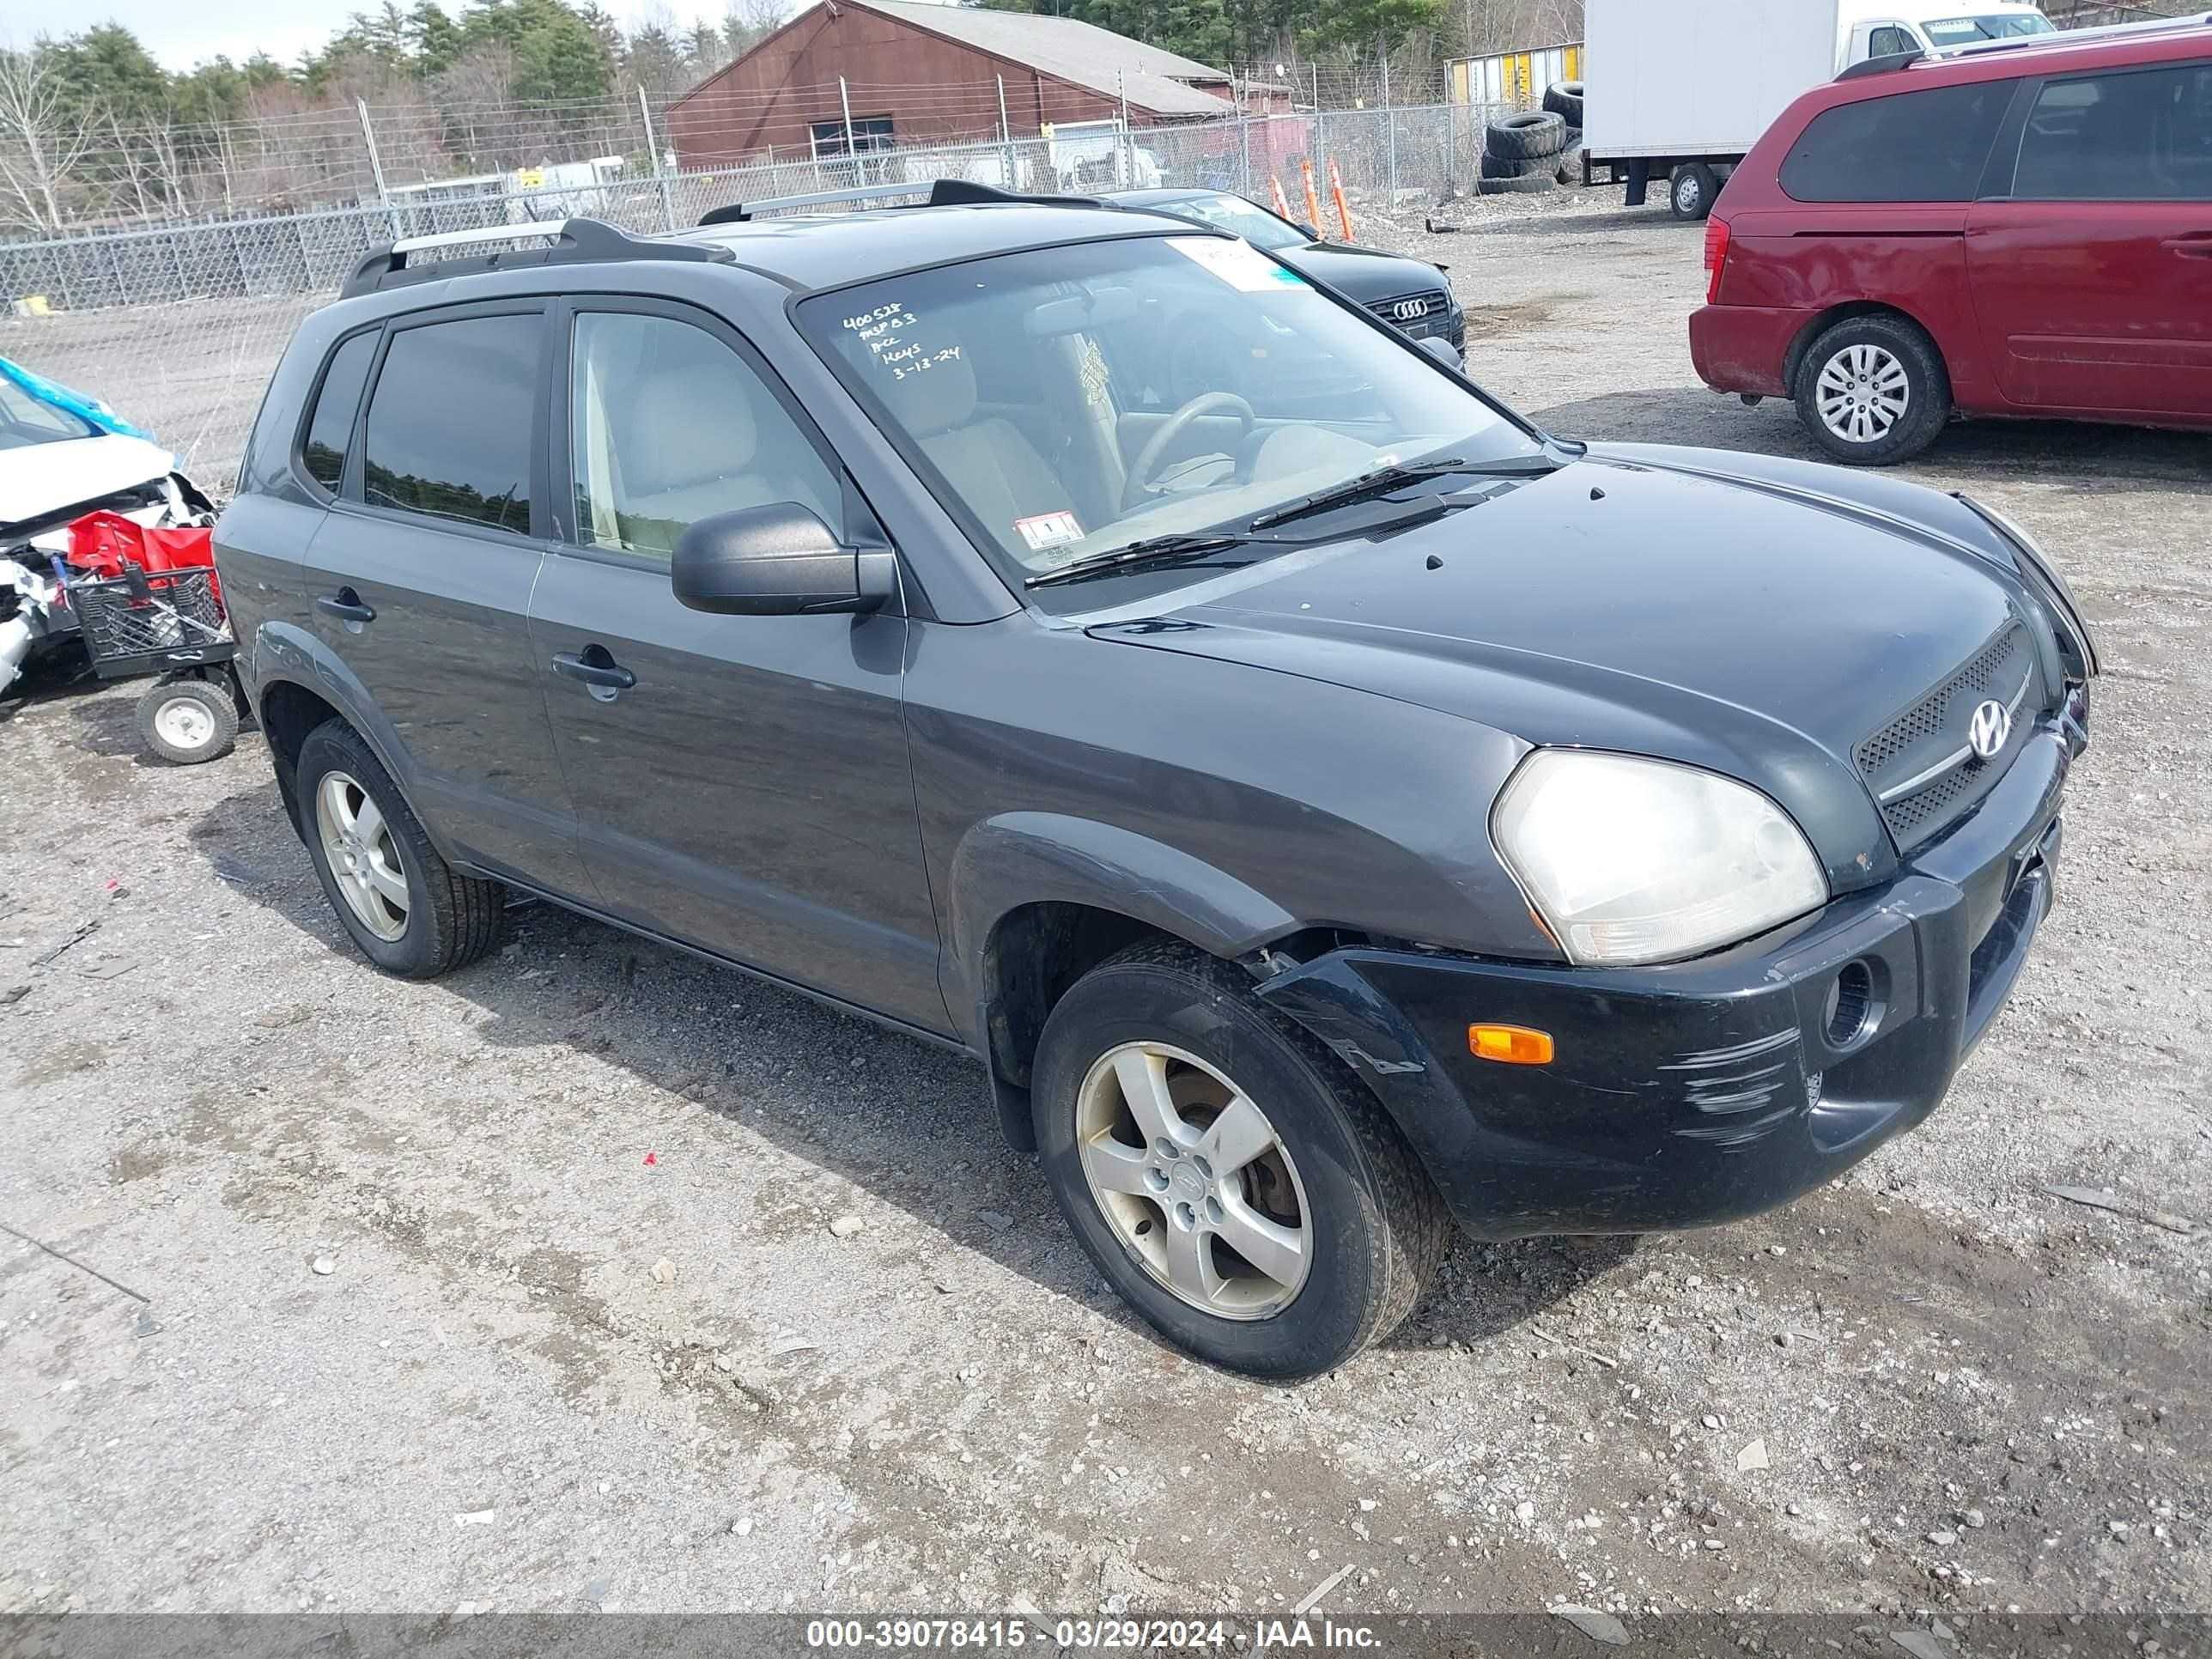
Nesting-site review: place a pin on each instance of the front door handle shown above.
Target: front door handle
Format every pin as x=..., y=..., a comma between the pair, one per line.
x=346, y=606
x=595, y=668
x=2197, y=245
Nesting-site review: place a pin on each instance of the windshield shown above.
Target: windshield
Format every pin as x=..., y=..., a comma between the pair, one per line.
x=1067, y=402
x=24, y=419
x=2001, y=26
x=1238, y=217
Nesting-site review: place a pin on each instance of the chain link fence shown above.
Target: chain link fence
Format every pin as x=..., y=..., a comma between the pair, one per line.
x=178, y=327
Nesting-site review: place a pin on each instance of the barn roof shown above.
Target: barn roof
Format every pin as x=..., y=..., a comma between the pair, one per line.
x=1080, y=53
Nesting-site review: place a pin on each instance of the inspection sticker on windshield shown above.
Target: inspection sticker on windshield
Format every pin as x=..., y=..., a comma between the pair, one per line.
x=1048, y=529
x=1237, y=263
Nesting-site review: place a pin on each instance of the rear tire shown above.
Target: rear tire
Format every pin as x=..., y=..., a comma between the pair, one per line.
x=1692, y=192
x=188, y=721
x=410, y=912
x=1343, y=1228
x=1527, y=136
x=1872, y=391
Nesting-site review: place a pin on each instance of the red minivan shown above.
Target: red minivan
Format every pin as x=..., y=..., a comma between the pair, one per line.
x=2019, y=230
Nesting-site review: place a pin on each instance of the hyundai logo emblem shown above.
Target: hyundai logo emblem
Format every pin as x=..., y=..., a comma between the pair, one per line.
x=1410, y=311
x=1987, y=732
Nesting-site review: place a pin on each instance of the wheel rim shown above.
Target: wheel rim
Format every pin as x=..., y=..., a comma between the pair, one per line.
x=1195, y=1182
x=1864, y=391
x=364, y=860
x=184, y=723
x=1686, y=193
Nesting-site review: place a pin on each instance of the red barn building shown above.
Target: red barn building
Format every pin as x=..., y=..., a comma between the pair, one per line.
x=914, y=73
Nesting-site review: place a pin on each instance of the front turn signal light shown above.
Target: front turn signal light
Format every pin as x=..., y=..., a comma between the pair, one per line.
x=1513, y=1045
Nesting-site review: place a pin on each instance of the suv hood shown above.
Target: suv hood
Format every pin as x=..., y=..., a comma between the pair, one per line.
x=1752, y=623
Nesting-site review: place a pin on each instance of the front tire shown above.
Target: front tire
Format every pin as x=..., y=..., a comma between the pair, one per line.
x=410, y=912
x=1872, y=391
x=1230, y=1179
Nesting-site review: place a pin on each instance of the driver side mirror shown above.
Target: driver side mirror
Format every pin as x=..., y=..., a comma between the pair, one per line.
x=780, y=560
x=1444, y=352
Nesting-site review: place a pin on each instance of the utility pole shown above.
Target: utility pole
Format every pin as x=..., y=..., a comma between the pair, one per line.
x=1244, y=130
x=1007, y=135
x=845, y=102
x=667, y=192
x=376, y=165
x=1390, y=115
x=1129, y=144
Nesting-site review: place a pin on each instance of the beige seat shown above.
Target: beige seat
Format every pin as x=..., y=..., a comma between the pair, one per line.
x=989, y=462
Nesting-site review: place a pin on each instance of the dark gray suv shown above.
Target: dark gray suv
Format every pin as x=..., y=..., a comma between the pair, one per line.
x=1329, y=807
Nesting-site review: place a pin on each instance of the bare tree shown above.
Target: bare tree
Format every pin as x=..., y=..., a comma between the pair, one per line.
x=43, y=140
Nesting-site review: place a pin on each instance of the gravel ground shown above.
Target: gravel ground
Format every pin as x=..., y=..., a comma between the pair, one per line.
x=587, y=1339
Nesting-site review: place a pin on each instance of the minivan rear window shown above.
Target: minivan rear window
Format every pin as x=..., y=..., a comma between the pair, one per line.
x=1927, y=146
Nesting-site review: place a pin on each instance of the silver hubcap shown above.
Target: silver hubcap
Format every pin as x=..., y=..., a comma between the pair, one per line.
x=1192, y=1177
x=184, y=724
x=362, y=855
x=1686, y=193
x=1863, y=393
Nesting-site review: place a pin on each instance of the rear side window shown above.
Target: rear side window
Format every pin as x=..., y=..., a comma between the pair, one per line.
x=329, y=429
x=449, y=423
x=1910, y=147
x=2142, y=136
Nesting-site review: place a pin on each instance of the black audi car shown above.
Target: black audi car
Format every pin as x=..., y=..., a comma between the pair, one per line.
x=1409, y=294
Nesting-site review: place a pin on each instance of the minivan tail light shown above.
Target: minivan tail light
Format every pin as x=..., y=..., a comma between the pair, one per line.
x=1716, y=253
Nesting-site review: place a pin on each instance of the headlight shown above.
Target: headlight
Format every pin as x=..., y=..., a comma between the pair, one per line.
x=1632, y=860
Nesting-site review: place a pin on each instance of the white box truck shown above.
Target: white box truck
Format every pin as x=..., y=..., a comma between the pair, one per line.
x=1680, y=90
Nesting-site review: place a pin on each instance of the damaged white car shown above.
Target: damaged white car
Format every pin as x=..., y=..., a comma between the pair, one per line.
x=56, y=465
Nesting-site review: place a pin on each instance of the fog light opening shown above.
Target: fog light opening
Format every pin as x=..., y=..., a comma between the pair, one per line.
x=1849, y=1013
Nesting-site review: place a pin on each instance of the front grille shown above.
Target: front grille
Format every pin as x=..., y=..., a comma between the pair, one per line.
x=1418, y=315
x=1915, y=764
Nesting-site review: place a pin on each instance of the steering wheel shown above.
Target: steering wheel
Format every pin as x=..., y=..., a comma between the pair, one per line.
x=1148, y=459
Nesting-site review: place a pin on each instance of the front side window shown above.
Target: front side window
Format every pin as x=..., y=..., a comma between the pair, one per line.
x=668, y=425
x=1074, y=400
x=2141, y=136
x=329, y=429
x=1928, y=146
x=449, y=423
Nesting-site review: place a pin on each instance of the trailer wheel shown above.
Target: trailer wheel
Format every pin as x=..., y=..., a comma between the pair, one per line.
x=1692, y=190
x=187, y=720
x=1526, y=137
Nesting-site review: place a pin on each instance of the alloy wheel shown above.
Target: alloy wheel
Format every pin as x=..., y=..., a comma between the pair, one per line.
x=1190, y=1174
x=1864, y=391
x=364, y=858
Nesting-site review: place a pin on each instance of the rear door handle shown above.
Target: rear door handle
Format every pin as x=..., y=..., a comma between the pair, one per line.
x=595, y=668
x=2197, y=245
x=346, y=606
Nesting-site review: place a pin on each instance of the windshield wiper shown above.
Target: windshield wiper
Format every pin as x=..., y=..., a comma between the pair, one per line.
x=1179, y=549
x=1384, y=480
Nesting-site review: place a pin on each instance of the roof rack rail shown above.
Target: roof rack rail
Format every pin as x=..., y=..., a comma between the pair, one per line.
x=574, y=241
x=940, y=192
x=1887, y=65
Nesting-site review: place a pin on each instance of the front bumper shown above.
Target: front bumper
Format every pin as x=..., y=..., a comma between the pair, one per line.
x=1701, y=1092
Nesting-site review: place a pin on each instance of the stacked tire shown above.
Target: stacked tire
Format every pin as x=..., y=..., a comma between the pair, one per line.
x=1564, y=100
x=1522, y=154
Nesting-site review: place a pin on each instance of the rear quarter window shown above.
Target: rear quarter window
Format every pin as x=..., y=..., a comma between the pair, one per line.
x=1927, y=146
x=330, y=425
